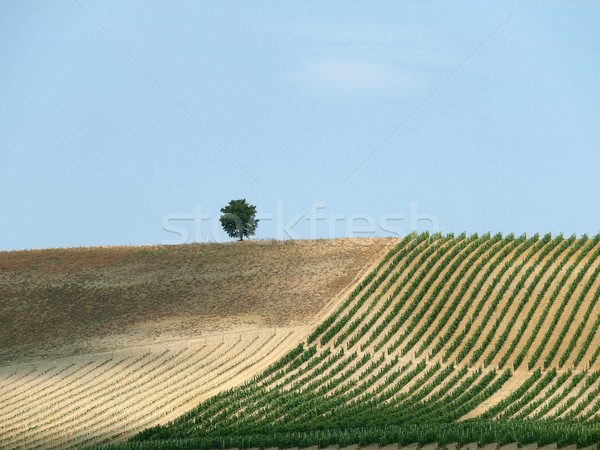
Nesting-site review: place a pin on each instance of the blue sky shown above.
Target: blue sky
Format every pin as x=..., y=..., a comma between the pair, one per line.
x=135, y=122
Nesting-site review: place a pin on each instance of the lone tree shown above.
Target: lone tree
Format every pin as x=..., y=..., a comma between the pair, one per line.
x=238, y=219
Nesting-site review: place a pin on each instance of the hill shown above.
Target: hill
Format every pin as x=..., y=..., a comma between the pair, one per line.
x=99, y=342
x=60, y=302
x=447, y=339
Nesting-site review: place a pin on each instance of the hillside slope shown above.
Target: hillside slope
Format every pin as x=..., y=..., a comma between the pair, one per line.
x=448, y=339
x=60, y=302
x=445, y=339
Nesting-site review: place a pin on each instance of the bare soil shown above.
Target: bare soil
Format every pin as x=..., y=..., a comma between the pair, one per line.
x=61, y=302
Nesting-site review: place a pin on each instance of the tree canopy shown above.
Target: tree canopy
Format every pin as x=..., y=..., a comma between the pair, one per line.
x=238, y=219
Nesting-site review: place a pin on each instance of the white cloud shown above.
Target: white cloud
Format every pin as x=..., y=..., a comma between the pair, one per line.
x=365, y=59
x=384, y=53
x=342, y=77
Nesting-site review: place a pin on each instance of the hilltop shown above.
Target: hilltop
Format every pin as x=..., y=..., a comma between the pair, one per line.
x=60, y=302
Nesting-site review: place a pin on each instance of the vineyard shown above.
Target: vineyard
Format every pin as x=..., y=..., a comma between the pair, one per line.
x=449, y=339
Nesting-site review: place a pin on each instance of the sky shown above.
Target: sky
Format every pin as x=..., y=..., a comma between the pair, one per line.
x=130, y=123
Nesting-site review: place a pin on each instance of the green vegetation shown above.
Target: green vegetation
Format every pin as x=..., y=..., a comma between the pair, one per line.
x=239, y=219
